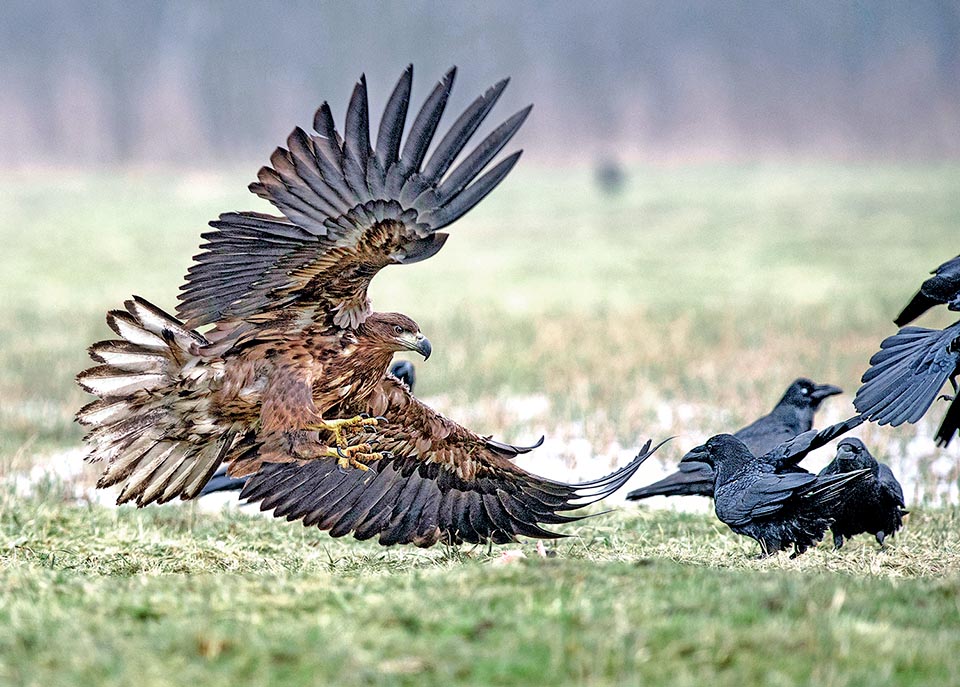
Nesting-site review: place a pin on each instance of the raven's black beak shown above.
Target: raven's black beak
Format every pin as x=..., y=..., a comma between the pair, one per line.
x=845, y=453
x=423, y=346
x=822, y=391
x=698, y=454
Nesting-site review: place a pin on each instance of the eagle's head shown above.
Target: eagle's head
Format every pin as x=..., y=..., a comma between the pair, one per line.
x=391, y=331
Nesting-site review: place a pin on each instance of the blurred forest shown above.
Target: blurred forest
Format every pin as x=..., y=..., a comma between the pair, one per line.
x=150, y=82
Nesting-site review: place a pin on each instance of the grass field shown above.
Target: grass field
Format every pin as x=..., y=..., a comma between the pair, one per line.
x=682, y=307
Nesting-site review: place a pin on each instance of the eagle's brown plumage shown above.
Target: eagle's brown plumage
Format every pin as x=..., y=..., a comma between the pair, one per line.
x=288, y=379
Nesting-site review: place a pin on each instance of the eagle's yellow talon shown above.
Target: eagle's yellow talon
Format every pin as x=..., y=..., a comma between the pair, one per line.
x=351, y=456
x=340, y=426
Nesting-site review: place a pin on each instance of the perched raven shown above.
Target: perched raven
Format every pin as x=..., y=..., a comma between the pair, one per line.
x=874, y=504
x=911, y=367
x=943, y=288
x=220, y=481
x=792, y=415
x=775, y=509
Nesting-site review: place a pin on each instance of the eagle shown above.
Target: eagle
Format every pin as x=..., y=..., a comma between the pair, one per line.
x=277, y=366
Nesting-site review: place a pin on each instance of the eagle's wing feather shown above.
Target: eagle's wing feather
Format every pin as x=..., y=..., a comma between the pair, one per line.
x=347, y=210
x=442, y=482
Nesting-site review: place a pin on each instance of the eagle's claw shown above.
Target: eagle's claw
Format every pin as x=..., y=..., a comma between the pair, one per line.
x=356, y=456
x=340, y=427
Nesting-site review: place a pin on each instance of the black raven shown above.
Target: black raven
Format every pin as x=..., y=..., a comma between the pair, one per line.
x=911, y=367
x=792, y=415
x=220, y=481
x=874, y=504
x=943, y=288
x=775, y=509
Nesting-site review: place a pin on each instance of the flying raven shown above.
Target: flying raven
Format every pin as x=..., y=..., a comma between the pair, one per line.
x=911, y=367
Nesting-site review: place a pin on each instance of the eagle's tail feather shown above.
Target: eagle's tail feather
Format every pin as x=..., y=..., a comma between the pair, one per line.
x=149, y=424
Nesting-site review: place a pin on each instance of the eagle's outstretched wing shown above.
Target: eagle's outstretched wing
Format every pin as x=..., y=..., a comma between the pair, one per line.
x=443, y=482
x=348, y=209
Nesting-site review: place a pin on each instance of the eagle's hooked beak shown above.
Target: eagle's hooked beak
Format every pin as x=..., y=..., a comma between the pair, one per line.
x=417, y=342
x=423, y=346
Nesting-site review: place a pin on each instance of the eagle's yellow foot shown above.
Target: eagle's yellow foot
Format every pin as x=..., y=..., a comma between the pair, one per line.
x=340, y=426
x=355, y=456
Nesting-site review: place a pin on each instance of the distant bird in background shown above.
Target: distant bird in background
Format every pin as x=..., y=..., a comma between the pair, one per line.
x=872, y=505
x=911, y=367
x=401, y=369
x=792, y=415
x=776, y=509
x=610, y=176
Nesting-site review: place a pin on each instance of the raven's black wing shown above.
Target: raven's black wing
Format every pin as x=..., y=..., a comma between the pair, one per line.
x=788, y=454
x=890, y=485
x=906, y=374
x=764, y=496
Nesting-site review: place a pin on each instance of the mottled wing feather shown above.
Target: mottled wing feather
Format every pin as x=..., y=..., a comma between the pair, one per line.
x=348, y=210
x=442, y=482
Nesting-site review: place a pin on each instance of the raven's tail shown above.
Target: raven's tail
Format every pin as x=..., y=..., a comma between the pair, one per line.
x=222, y=482
x=152, y=423
x=692, y=479
x=919, y=304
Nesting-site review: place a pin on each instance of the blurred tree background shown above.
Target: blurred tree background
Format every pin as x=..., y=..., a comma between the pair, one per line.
x=99, y=83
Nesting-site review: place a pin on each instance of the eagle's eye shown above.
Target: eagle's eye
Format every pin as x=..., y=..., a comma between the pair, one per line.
x=398, y=329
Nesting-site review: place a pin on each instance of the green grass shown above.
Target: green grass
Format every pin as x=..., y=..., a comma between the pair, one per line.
x=170, y=596
x=682, y=307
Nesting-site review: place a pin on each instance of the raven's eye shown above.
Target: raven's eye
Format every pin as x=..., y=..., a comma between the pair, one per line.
x=398, y=329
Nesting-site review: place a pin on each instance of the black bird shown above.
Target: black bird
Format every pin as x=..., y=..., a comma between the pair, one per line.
x=405, y=372
x=943, y=288
x=401, y=369
x=911, y=367
x=874, y=504
x=610, y=176
x=792, y=415
x=775, y=509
